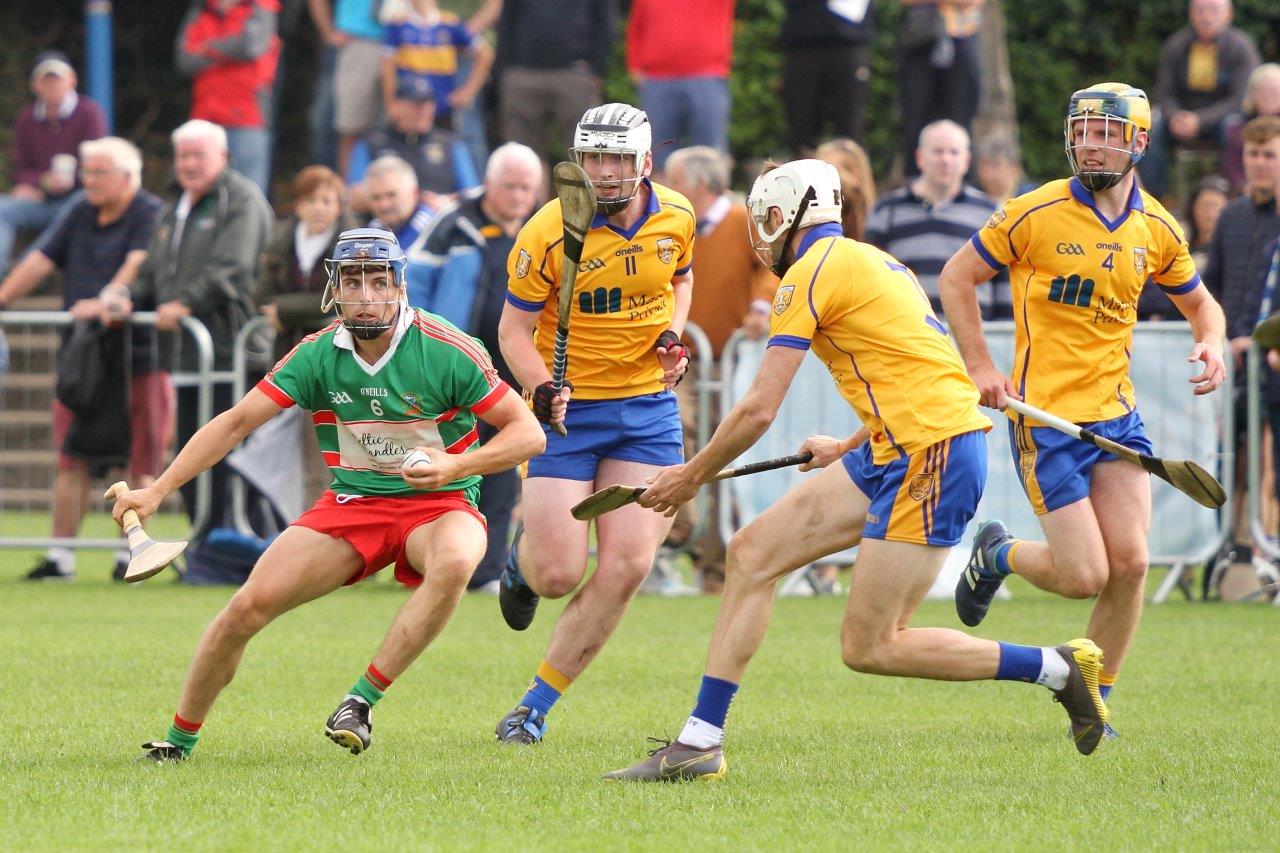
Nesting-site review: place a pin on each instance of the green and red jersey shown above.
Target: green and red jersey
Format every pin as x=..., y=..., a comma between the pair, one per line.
x=426, y=390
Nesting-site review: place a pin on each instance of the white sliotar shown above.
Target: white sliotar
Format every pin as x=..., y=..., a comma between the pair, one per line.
x=415, y=457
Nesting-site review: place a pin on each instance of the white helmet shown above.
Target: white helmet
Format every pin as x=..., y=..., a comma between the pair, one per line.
x=806, y=192
x=614, y=129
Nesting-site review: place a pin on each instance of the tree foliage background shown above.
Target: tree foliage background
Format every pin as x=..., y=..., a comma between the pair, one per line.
x=1055, y=46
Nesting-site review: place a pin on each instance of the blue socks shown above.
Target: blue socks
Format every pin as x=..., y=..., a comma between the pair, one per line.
x=1002, y=555
x=545, y=689
x=1019, y=663
x=714, y=697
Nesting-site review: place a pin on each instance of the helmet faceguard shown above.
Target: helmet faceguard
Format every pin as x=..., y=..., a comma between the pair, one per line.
x=804, y=192
x=1116, y=113
x=366, y=275
x=612, y=143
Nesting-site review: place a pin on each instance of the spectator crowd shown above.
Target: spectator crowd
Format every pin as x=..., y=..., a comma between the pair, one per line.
x=404, y=137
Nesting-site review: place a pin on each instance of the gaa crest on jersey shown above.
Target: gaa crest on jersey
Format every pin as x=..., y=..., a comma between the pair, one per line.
x=782, y=300
x=522, y=264
x=666, y=248
x=1140, y=260
x=921, y=485
x=996, y=218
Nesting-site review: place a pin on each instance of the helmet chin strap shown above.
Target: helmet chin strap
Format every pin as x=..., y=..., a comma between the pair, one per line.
x=780, y=265
x=1098, y=181
x=370, y=331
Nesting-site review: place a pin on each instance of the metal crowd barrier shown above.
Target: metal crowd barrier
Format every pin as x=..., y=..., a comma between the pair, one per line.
x=1180, y=426
x=202, y=379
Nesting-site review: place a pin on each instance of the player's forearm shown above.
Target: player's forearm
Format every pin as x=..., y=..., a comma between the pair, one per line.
x=855, y=441
x=960, y=305
x=737, y=433
x=1208, y=324
x=205, y=449
x=517, y=442
x=523, y=357
x=682, y=296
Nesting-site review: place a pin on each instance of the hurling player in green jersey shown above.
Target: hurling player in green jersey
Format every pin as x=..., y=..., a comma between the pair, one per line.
x=382, y=381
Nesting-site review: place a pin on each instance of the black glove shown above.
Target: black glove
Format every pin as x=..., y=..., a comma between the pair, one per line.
x=543, y=395
x=671, y=342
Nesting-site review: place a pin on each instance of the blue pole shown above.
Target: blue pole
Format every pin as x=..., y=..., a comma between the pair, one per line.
x=97, y=53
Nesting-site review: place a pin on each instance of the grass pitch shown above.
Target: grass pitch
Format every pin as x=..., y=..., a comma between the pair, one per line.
x=819, y=757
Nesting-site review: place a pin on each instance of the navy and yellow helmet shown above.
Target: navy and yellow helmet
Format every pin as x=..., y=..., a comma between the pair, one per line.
x=366, y=249
x=1119, y=103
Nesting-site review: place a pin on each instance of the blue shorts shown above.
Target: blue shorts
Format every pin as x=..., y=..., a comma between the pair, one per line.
x=1056, y=469
x=634, y=429
x=927, y=497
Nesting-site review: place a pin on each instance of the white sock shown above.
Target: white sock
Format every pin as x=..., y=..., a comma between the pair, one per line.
x=64, y=557
x=700, y=734
x=1053, y=669
x=122, y=555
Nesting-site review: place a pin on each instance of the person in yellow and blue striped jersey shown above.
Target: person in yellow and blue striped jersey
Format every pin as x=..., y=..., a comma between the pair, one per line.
x=630, y=302
x=903, y=488
x=1078, y=252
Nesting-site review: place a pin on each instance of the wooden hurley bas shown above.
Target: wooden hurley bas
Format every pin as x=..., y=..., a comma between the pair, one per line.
x=147, y=557
x=614, y=497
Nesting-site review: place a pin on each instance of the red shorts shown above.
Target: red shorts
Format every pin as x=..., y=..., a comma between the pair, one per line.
x=378, y=528
x=151, y=407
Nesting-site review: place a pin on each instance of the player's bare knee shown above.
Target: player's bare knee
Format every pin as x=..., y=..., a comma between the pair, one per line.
x=1084, y=581
x=244, y=616
x=1129, y=568
x=624, y=574
x=452, y=569
x=860, y=651
x=556, y=582
x=745, y=558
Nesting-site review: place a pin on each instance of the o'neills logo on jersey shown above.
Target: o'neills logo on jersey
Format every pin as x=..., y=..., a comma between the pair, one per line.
x=1140, y=260
x=522, y=264
x=782, y=300
x=373, y=392
x=666, y=248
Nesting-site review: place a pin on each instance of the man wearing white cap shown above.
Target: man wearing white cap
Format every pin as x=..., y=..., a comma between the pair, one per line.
x=46, y=137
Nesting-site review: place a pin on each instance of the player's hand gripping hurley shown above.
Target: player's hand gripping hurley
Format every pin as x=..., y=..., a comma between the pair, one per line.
x=1184, y=475
x=615, y=497
x=147, y=557
x=578, y=208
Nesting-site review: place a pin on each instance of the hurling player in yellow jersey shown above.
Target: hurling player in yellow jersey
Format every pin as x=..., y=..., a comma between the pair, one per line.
x=1078, y=253
x=904, y=486
x=630, y=302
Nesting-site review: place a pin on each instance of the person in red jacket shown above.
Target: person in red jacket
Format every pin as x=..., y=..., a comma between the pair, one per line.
x=682, y=73
x=230, y=49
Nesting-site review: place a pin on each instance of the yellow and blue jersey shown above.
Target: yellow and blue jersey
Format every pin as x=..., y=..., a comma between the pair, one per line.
x=865, y=315
x=429, y=52
x=1076, y=277
x=622, y=299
